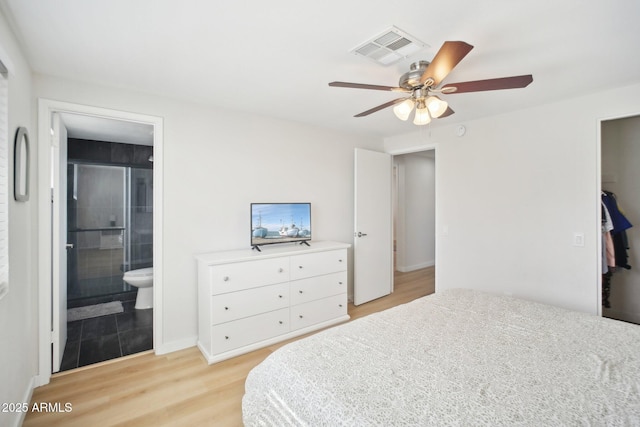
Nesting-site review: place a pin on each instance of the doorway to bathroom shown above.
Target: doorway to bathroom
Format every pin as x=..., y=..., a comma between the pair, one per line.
x=109, y=233
x=126, y=238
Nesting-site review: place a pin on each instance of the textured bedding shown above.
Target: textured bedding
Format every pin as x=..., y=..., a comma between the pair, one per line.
x=455, y=358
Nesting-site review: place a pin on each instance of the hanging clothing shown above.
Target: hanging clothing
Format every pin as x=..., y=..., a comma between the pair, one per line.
x=620, y=222
x=618, y=232
x=607, y=222
x=614, y=242
x=608, y=251
x=606, y=289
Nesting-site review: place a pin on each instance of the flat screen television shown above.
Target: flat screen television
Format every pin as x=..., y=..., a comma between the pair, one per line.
x=280, y=223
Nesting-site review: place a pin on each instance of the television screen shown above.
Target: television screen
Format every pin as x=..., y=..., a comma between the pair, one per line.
x=280, y=223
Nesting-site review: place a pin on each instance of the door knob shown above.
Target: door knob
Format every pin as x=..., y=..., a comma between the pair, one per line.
x=360, y=234
x=68, y=246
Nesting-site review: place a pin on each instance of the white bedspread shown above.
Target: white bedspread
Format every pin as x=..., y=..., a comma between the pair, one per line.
x=456, y=358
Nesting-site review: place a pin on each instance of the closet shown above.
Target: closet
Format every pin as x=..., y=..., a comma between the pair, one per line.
x=620, y=183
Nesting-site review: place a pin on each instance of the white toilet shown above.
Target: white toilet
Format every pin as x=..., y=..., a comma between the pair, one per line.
x=142, y=279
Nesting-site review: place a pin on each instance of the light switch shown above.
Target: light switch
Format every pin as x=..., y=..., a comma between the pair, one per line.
x=578, y=239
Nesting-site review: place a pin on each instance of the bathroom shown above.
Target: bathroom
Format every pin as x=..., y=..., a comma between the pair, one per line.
x=109, y=238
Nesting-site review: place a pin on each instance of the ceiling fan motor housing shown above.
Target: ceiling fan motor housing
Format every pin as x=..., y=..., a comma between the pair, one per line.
x=411, y=79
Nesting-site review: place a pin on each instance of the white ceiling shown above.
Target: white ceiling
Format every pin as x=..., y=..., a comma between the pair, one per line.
x=275, y=58
x=102, y=129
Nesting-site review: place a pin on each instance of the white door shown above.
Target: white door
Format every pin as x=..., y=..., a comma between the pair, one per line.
x=373, y=251
x=59, y=249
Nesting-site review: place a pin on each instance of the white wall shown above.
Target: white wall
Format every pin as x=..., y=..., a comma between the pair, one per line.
x=620, y=158
x=511, y=193
x=415, y=215
x=217, y=162
x=18, y=314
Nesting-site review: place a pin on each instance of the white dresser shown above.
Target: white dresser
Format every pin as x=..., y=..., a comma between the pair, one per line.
x=249, y=299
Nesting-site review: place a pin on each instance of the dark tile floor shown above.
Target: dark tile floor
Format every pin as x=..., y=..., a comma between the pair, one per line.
x=108, y=337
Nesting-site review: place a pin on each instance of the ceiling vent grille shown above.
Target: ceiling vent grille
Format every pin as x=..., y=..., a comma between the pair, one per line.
x=389, y=47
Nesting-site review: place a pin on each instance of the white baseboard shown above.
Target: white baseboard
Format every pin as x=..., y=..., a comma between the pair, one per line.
x=408, y=268
x=28, y=394
x=172, y=346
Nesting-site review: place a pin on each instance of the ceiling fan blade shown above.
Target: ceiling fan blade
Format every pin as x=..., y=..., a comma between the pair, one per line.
x=449, y=55
x=366, y=86
x=447, y=113
x=381, y=107
x=514, y=82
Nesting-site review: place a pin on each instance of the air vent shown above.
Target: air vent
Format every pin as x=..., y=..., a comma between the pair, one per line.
x=389, y=47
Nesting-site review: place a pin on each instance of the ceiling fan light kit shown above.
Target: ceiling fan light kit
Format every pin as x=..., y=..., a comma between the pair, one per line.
x=431, y=107
x=403, y=109
x=436, y=106
x=424, y=78
x=422, y=116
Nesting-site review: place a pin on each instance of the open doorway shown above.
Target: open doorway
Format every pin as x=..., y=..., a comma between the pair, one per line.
x=620, y=190
x=109, y=216
x=414, y=213
x=104, y=234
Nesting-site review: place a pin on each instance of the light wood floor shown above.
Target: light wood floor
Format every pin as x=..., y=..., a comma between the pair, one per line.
x=177, y=389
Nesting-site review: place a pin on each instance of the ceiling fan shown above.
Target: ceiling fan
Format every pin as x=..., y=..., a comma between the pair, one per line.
x=422, y=82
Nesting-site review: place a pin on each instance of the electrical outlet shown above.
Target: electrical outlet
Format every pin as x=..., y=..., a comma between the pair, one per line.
x=578, y=239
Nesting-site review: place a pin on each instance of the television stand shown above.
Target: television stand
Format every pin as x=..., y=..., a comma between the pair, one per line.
x=304, y=242
x=256, y=247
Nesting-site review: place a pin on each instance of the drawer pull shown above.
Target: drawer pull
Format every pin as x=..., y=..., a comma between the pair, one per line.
x=301, y=316
x=300, y=291
x=279, y=296
x=339, y=283
x=226, y=337
x=280, y=321
x=300, y=266
x=225, y=278
x=281, y=270
x=226, y=308
x=339, y=260
x=339, y=305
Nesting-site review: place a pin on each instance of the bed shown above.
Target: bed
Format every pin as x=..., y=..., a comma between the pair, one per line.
x=454, y=358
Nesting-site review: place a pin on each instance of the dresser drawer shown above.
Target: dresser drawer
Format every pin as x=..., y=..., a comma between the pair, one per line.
x=317, y=311
x=227, y=336
x=245, y=275
x=236, y=305
x=305, y=290
x=315, y=264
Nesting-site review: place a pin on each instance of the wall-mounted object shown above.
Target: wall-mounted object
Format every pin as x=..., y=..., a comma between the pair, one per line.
x=21, y=165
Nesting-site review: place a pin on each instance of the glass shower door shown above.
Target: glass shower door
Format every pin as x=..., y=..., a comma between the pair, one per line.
x=96, y=224
x=140, y=220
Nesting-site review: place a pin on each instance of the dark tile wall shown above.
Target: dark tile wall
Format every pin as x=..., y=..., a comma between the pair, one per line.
x=109, y=153
x=141, y=218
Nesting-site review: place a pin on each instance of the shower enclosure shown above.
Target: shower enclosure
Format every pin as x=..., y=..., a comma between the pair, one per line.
x=109, y=223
